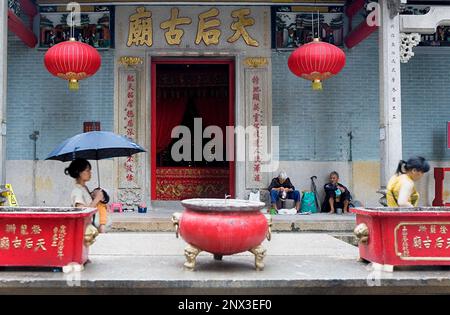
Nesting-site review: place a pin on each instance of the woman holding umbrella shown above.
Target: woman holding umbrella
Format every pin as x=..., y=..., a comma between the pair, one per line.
x=93, y=145
x=80, y=169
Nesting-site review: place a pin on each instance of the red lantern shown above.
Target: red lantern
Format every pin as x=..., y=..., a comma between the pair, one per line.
x=72, y=61
x=316, y=61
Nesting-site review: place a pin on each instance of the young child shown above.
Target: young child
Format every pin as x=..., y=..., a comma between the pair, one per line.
x=336, y=195
x=102, y=214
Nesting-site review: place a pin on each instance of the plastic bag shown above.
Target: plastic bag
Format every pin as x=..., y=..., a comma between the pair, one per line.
x=287, y=211
x=308, y=203
x=254, y=196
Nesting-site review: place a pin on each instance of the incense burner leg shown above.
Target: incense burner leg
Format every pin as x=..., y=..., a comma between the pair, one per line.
x=260, y=253
x=191, y=253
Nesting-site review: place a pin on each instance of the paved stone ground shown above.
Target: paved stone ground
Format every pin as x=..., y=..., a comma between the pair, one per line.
x=296, y=263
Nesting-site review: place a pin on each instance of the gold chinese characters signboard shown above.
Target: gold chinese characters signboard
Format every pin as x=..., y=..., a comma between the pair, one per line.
x=423, y=241
x=32, y=240
x=193, y=27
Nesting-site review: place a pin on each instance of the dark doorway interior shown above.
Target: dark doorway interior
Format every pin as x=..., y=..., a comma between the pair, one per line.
x=185, y=92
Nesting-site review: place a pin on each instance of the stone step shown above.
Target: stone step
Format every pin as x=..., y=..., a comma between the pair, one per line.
x=161, y=222
x=349, y=238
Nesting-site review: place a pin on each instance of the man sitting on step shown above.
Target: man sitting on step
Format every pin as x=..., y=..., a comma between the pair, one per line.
x=282, y=188
x=337, y=196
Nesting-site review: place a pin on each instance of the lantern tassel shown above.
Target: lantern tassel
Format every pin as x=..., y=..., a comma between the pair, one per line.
x=317, y=85
x=73, y=85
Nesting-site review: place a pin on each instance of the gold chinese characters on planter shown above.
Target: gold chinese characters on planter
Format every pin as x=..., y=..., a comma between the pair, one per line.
x=422, y=241
x=19, y=239
x=208, y=31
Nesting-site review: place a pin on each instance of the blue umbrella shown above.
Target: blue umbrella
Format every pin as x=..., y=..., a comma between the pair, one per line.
x=95, y=145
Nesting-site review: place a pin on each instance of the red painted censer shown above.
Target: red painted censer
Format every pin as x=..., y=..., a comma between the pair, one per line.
x=222, y=227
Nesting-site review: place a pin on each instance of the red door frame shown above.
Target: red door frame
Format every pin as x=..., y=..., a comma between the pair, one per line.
x=231, y=89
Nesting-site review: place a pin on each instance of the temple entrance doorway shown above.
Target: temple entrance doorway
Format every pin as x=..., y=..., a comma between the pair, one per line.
x=193, y=94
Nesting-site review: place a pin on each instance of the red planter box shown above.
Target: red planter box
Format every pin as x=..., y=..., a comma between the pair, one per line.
x=404, y=236
x=43, y=237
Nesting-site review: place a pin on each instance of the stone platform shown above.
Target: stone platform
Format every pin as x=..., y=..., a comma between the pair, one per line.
x=158, y=219
x=296, y=263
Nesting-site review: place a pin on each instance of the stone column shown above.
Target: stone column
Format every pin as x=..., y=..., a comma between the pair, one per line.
x=390, y=90
x=257, y=116
x=130, y=169
x=3, y=85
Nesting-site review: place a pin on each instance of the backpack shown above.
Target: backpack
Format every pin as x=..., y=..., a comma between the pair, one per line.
x=308, y=203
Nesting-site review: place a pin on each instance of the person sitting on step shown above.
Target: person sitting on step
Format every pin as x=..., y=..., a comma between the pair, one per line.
x=337, y=196
x=281, y=187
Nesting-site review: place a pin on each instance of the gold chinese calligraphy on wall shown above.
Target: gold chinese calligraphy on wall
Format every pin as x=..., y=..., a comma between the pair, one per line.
x=256, y=62
x=130, y=61
x=208, y=26
x=239, y=27
x=140, y=28
x=173, y=34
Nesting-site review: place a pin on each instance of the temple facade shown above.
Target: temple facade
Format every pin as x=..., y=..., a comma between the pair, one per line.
x=200, y=64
